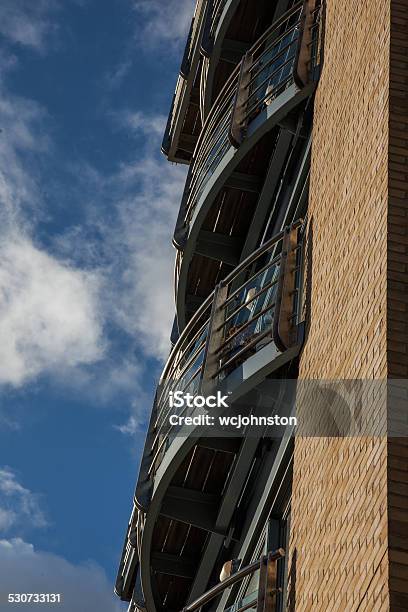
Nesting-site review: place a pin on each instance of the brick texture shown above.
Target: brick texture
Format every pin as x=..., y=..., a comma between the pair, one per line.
x=339, y=550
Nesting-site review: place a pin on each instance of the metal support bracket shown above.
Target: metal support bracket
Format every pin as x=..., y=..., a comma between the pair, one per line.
x=214, y=339
x=284, y=323
x=267, y=583
x=302, y=68
x=238, y=126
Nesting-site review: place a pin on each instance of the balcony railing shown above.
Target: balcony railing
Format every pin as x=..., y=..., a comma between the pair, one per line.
x=258, y=303
x=287, y=53
x=263, y=599
x=185, y=136
x=131, y=552
x=213, y=13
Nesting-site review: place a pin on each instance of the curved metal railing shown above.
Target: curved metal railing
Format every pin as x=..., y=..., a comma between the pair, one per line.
x=247, y=305
x=132, y=547
x=190, y=56
x=213, y=15
x=267, y=70
x=263, y=599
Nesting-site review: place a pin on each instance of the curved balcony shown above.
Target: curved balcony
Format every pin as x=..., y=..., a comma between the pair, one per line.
x=184, y=120
x=275, y=76
x=189, y=485
x=231, y=27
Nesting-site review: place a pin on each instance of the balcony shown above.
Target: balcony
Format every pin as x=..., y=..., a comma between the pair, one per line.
x=184, y=121
x=189, y=486
x=273, y=79
x=231, y=28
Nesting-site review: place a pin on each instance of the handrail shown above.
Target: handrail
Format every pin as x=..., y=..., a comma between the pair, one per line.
x=186, y=60
x=218, y=7
x=276, y=25
x=237, y=577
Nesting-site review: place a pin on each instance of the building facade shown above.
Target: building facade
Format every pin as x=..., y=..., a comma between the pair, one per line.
x=291, y=271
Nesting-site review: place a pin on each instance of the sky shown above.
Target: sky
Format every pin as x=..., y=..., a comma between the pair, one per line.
x=87, y=208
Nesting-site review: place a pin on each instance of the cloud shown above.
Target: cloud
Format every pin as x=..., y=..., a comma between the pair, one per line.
x=18, y=506
x=152, y=126
x=26, y=22
x=132, y=213
x=163, y=22
x=114, y=272
x=7, y=519
x=83, y=587
x=114, y=77
x=142, y=198
x=130, y=428
x=147, y=214
x=146, y=219
x=49, y=315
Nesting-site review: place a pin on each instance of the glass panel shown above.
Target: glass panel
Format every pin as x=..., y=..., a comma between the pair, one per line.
x=214, y=146
x=273, y=69
x=251, y=303
x=189, y=382
x=242, y=604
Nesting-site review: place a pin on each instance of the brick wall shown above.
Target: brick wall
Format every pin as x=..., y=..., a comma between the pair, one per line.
x=339, y=531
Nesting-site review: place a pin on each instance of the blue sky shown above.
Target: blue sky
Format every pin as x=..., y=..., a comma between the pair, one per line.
x=87, y=207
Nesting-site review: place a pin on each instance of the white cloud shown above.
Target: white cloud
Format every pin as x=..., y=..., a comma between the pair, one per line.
x=130, y=428
x=134, y=210
x=49, y=315
x=163, y=22
x=149, y=125
x=147, y=214
x=53, y=312
x=18, y=505
x=143, y=198
x=7, y=519
x=82, y=587
x=26, y=22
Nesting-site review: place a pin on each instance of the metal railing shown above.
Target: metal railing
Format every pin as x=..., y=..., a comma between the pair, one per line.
x=217, y=8
x=187, y=61
x=267, y=70
x=263, y=599
x=259, y=302
x=214, y=11
x=133, y=543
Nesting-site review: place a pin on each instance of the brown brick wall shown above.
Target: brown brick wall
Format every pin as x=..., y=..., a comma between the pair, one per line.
x=339, y=546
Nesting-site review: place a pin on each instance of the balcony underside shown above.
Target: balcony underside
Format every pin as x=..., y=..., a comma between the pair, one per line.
x=239, y=212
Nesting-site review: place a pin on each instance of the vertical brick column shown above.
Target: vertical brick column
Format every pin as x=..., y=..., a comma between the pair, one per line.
x=338, y=558
x=397, y=325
